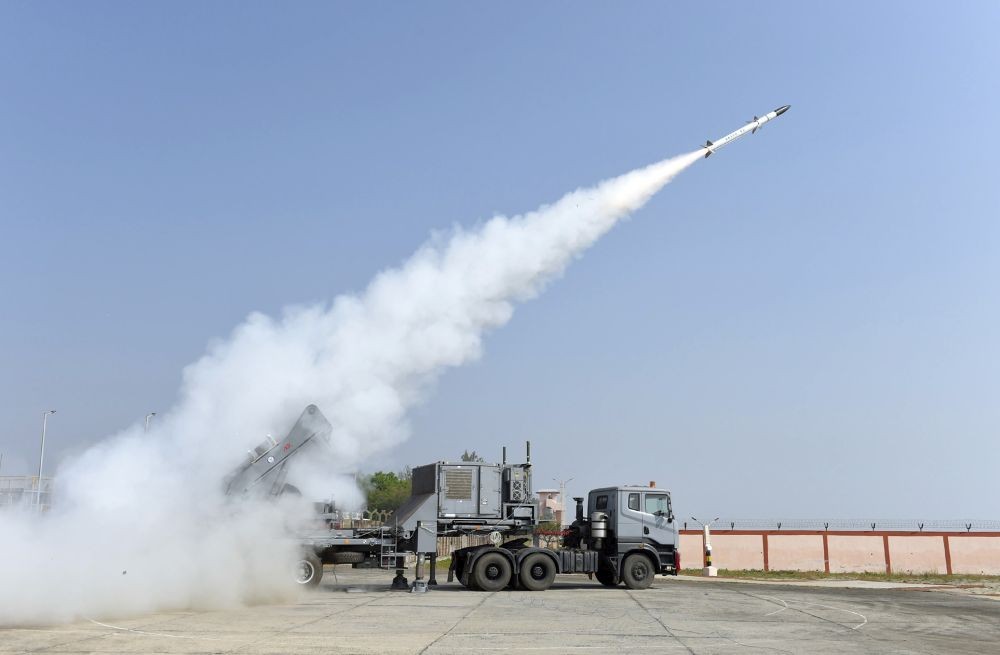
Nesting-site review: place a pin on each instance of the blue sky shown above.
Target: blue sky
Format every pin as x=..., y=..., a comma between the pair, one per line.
x=803, y=326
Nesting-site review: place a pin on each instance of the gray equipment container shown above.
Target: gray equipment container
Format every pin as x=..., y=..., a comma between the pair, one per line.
x=453, y=498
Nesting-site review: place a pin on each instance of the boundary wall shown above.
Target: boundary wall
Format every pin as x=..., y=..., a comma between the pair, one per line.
x=844, y=551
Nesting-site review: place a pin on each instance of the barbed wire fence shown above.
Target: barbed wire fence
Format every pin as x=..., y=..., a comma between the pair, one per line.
x=853, y=525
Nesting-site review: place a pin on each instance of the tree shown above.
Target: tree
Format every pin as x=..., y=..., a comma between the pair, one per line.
x=387, y=490
x=471, y=457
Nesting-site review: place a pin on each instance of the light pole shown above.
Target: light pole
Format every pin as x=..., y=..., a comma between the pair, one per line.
x=706, y=538
x=148, y=417
x=562, y=499
x=41, y=455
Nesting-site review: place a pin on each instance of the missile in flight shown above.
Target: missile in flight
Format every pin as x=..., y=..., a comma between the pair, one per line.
x=749, y=128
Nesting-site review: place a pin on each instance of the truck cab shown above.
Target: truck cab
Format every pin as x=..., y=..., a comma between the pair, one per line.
x=637, y=520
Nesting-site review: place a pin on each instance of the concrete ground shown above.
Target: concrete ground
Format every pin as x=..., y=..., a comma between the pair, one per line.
x=355, y=613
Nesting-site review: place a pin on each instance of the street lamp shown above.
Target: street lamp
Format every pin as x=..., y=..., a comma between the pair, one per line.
x=148, y=417
x=706, y=540
x=41, y=455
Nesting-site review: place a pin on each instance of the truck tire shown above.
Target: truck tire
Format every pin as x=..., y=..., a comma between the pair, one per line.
x=606, y=576
x=348, y=557
x=637, y=571
x=538, y=572
x=492, y=572
x=308, y=570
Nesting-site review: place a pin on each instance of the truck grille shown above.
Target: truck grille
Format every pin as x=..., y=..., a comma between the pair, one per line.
x=458, y=484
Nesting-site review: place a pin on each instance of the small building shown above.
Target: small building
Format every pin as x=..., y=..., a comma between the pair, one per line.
x=25, y=491
x=550, y=506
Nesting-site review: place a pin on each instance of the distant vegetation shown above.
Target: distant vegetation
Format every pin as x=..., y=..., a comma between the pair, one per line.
x=471, y=456
x=386, y=491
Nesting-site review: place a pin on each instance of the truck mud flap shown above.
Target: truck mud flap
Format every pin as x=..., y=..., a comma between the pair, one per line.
x=460, y=559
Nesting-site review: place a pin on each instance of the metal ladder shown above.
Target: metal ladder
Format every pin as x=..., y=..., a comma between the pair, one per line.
x=387, y=548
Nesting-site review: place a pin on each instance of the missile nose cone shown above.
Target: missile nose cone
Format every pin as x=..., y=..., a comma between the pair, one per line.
x=781, y=110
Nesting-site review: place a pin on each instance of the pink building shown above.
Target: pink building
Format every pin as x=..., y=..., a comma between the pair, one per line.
x=550, y=505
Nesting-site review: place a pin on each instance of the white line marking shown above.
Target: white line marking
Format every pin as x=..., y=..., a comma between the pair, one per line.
x=864, y=619
x=780, y=609
x=151, y=634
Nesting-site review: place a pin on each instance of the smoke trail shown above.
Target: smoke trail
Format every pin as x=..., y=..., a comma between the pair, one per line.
x=140, y=523
x=366, y=359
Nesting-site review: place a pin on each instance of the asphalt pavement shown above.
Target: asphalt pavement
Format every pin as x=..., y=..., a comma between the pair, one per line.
x=355, y=612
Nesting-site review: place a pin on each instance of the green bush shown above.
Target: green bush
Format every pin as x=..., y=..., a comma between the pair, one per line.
x=386, y=491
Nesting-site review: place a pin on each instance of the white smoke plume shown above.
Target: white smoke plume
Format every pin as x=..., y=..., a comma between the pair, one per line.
x=140, y=523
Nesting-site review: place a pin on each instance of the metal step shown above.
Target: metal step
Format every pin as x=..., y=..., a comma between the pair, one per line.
x=388, y=552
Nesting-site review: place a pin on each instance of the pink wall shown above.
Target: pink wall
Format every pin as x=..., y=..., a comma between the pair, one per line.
x=738, y=552
x=795, y=552
x=849, y=552
x=728, y=551
x=856, y=553
x=917, y=554
x=690, y=551
x=975, y=555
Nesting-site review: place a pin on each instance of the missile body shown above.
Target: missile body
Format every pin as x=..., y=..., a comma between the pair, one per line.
x=267, y=466
x=749, y=128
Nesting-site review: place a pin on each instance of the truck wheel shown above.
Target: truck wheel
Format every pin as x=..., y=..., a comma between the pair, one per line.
x=348, y=557
x=538, y=572
x=637, y=571
x=492, y=572
x=308, y=570
x=606, y=576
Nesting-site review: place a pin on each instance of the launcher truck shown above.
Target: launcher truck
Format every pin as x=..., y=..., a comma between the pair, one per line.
x=627, y=535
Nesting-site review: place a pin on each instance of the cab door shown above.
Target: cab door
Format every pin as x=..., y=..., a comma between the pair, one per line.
x=658, y=525
x=631, y=517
